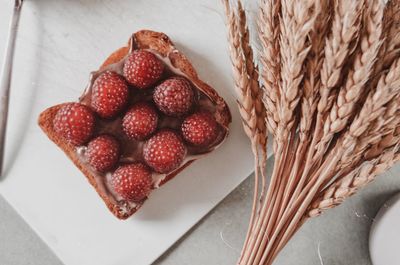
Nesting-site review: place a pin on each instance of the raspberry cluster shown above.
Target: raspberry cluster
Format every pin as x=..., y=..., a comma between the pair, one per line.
x=163, y=149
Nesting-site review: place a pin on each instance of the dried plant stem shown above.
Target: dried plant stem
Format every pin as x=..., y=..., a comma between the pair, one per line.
x=374, y=103
x=313, y=64
x=252, y=72
x=311, y=87
x=257, y=93
x=279, y=193
x=324, y=172
x=259, y=240
x=336, y=50
x=268, y=32
x=250, y=103
x=291, y=218
x=272, y=212
x=297, y=21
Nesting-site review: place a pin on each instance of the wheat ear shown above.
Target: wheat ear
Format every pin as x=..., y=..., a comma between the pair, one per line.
x=354, y=181
x=295, y=25
x=337, y=45
x=252, y=73
x=268, y=34
x=391, y=20
x=375, y=106
x=391, y=48
x=313, y=65
x=243, y=82
x=358, y=75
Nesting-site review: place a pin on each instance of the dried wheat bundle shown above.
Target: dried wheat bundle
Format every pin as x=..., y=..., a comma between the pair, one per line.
x=326, y=86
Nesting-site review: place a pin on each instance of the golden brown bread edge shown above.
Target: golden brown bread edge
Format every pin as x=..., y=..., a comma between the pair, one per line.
x=144, y=39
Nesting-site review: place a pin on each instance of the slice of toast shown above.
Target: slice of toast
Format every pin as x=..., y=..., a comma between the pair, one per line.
x=162, y=46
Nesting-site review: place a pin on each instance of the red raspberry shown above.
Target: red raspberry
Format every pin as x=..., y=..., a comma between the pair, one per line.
x=140, y=121
x=103, y=152
x=164, y=151
x=132, y=182
x=200, y=128
x=109, y=94
x=75, y=123
x=143, y=69
x=174, y=96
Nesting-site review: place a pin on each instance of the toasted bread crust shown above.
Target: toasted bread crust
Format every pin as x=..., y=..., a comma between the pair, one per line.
x=160, y=43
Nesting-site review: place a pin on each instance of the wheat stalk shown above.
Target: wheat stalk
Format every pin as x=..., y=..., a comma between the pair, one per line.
x=333, y=109
x=391, y=21
x=361, y=132
x=252, y=73
x=357, y=77
x=387, y=89
x=296, y=22
x=352, y=182
x=243, y=81
x=268, y=34
x=257, y=93
x=374, y=107
x=309, y=98
x=250, y=103
x=337, y=46
x=339, y=114
x=313, y=64
x=345, y=25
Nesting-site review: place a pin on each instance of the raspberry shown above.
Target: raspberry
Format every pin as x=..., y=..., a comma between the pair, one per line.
x=174, y=96
x=142, y=69
x=200, y=128
x=109, y=94
x=75, y=123
x=164, y=151
x=103, y=152
x=140, y=121
x=132, y=182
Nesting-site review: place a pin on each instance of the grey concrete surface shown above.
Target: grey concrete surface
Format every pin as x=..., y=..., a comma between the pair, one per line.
x=19, y=245
x=341, y=234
